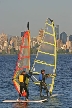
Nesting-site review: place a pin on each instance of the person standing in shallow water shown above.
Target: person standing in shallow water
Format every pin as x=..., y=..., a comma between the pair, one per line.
x=24, y=80
x=42, y=77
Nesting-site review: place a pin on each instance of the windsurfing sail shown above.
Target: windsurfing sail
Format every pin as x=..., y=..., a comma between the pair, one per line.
x=23, y=62
x=46, y=56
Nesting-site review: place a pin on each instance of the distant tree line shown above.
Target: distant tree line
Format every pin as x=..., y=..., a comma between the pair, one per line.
x=33, y=50
x=12, y=51
x=63, y=51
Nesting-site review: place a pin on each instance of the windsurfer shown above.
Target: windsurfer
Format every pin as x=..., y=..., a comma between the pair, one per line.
x=42, y=77
x=24, y=80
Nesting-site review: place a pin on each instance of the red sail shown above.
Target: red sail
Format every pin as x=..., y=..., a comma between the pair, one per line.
x=23, y=62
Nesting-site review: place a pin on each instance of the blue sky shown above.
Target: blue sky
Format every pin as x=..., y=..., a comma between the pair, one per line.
x=14, y=15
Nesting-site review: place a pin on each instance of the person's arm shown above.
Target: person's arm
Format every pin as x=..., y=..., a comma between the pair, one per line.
x=30, y=73
x=28, y=76
x=47, y=75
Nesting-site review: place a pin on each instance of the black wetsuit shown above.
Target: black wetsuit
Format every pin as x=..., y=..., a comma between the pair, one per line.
x=42, y=83
x=23, y=85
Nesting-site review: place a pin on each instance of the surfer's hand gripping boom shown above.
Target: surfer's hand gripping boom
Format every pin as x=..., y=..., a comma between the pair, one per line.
x=49, y=75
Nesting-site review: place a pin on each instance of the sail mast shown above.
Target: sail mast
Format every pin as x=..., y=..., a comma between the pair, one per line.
x=29, y=46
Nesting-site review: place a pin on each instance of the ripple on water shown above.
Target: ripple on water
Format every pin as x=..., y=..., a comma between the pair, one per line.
x=63, y=84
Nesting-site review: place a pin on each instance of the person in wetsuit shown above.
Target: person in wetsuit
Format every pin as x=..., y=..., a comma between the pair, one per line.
x=24, y=80
x=42, y=77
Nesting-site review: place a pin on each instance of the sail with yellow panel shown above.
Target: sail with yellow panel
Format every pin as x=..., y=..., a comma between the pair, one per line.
x=46, y=56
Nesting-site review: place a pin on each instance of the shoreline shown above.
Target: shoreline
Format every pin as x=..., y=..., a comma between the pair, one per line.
x=32, y=54
x=13, y=54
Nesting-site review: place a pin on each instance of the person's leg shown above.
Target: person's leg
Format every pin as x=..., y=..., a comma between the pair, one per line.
x=27, y=93
x=21, y=88
x=26, y=90
x=40, y=88
x=45, y=86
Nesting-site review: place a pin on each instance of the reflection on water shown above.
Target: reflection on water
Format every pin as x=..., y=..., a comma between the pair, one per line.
x=20, y=105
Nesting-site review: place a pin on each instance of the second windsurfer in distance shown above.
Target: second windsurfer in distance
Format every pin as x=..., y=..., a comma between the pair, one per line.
x=42, y=77
x=24, y=80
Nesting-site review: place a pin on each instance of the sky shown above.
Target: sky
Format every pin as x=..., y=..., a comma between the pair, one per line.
x=14, y=15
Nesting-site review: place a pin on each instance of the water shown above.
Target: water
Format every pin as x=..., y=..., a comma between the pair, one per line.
x=63, y=84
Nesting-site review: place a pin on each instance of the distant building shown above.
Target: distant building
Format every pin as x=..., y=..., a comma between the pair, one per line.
x=5, y=46
x=34, y=39
x=57, y=32
x=40, y=35
x=3, y=42
x=69, y=44
x=67, y=38
x=63, y=37
x=22, y=33
x=59, y=44
x=64, y=47
x=70, y=38
x=19, y=41
x=0, y=48
x=8, y=50
x=33, y=42
x=41, y=31
x=3, y=37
